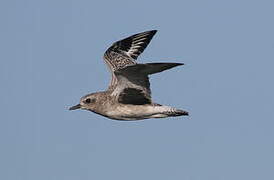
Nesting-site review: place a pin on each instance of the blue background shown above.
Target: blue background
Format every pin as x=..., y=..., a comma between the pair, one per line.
x=51, y=55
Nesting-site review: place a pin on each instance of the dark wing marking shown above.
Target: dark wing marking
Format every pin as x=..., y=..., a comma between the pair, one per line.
x=132, y=86
x=126, y=51
x=133, y=96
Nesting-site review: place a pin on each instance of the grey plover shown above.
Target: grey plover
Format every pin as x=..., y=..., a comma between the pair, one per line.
x=128, y=96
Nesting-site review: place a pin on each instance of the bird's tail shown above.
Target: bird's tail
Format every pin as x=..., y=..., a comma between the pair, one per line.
x=161, y=111
x=175, y=112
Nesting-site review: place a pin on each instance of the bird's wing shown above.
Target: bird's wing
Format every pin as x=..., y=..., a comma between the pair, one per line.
x=126, y=51
x=133, y=85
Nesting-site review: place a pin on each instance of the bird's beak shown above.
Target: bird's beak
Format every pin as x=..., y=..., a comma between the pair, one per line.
x=78, y=106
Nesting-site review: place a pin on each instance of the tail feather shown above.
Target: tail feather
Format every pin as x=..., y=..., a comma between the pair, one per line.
x=167, y=111
x=176, y=112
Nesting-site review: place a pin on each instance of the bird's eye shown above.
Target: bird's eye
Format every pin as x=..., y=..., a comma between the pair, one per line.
x=87, y=100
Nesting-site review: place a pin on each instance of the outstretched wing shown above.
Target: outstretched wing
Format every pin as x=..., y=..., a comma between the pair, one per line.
x=133, y=85
x=126, y=51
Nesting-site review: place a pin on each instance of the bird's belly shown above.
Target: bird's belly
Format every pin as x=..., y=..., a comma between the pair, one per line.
x=135, y=112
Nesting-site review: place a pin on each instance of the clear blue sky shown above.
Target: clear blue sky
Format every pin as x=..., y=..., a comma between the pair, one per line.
x=51, y=55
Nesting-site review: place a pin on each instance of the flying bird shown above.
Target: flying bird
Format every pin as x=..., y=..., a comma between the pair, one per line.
x=128, y=96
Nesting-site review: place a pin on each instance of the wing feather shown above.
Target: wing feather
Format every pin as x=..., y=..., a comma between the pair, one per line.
x=133, y=86
x=124, y=52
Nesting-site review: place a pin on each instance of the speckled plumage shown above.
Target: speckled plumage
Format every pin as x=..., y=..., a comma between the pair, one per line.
x=128, y=96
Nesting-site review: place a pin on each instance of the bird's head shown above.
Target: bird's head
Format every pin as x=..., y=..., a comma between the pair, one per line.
x=87, y=102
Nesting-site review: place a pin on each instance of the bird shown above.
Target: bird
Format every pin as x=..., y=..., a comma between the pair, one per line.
x=128, y=96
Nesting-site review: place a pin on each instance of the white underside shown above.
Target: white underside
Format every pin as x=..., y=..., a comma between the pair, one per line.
x=138, y=112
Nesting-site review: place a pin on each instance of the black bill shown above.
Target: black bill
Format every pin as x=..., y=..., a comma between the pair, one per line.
x=78, y=106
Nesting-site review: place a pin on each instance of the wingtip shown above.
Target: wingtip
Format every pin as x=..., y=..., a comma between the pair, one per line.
x=177, y=64
x=174, y=63
x=153, y=31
